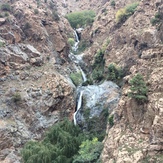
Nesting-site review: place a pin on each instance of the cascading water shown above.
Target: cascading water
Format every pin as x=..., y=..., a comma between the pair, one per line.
x=83, y=75
x=79, y=104
x=75, y=47
x=97, y=97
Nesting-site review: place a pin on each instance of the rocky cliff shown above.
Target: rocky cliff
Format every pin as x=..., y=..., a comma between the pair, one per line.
x=35, y=91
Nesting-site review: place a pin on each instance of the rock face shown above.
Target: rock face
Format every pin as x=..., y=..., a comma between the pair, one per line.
x=35, y=91
x=97, y=98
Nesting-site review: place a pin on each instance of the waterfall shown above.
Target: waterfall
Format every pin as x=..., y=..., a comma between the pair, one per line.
x=75, y=47
x=83, y=75
x=79, y=104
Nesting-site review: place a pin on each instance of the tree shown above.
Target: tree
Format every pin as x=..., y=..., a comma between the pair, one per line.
x=138, y=88
x=59, y=145
x=89, y=152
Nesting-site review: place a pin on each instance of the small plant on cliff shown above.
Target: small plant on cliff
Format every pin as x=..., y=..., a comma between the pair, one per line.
x=6, y=7
x=112, y=3
x=2, y=44
x=71, y=41
x=55, y=16
x=76, y=78
x=138, y=88
x=81, y=18
x=98, y=66
x=36, y=11
x=156, y=19
x=27, y=25
x=16, y=97
x=114, y=73
x=124, y=13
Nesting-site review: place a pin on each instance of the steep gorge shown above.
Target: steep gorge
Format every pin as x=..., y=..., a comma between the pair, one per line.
x=34, y=67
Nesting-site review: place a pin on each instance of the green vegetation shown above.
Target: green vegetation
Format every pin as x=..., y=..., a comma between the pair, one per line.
x=138, y=88
x=83, y=44
x=156, y=19
x=80, y=19
x=98, y=66
x=5, y=7
x=27, y=26
x=2, y=44
x=36, y=11
x=96, y=126
x=111, y=120
x=89, y=151
x=114, y=73
x=59, y=145
x=112, y=3
x=71, y=41
x=76, y=78
x=16, y=97
x=55, y=16
x=123, y=14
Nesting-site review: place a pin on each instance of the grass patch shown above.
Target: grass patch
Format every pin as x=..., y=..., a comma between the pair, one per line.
x=76, y=78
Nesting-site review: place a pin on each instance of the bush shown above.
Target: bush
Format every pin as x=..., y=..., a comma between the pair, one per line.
x=82, y=45
x=126, y=12
x=71, y=41
x=90, y=151
x=16, y=97
x=114, y=73
x=36, y=11
x=112, y=3
x=138, y=88
x=98, y=66
x=27, y=26
x=2, y=44
x=6, y=7
x=156, y=19
x=55, y=16
x=80, y=19
x=76, y=78
x=111, y=120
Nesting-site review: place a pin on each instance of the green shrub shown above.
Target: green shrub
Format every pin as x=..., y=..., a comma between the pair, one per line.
x=80, y=19
x=2, y=44
x=71, y=41
x=27, y=26
x=156, y=19
x=16, y=97
x=55, y=16
x=6, y=14
x=111, y=120
x=112, y=3
x=82, y=45
x=124, y=13
x=138, y=88
x=90, y=151
x=97, y=74
x=36, y=11
x=114, y=73
x=6, y=7
x=98, y=66
x=99, y=58
x=76, y=78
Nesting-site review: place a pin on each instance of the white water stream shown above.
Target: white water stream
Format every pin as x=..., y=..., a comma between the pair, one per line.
x=79, y=104
x=75, y=60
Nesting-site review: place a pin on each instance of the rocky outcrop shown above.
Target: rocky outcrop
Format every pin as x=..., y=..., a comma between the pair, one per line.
x=33, y=93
